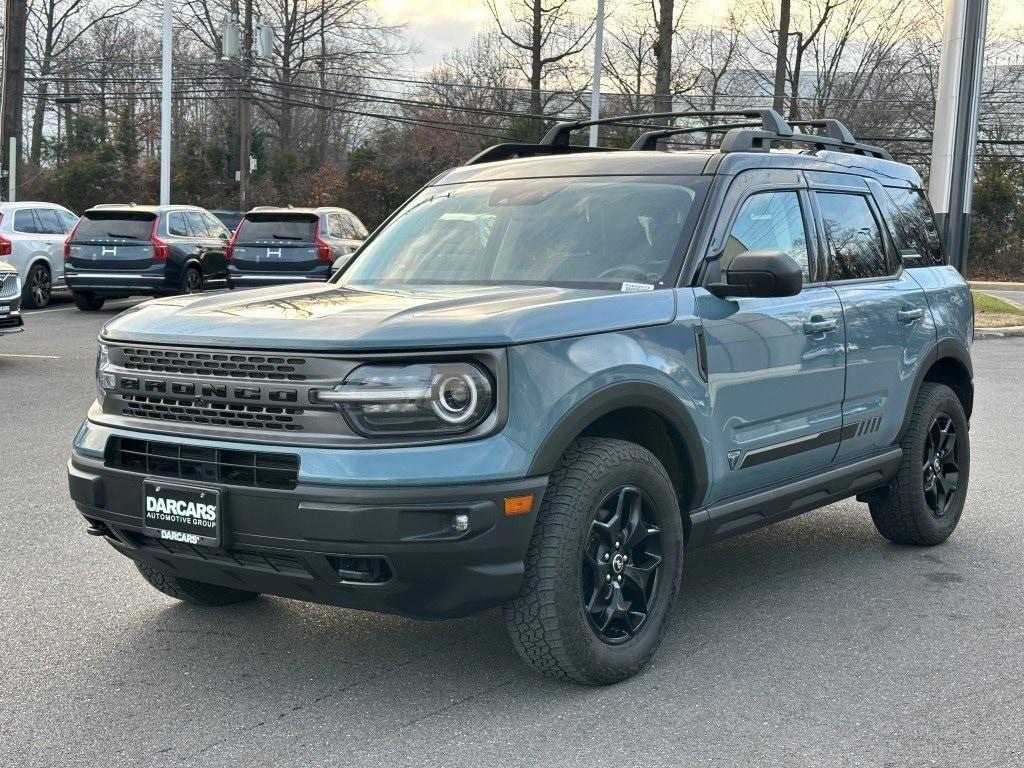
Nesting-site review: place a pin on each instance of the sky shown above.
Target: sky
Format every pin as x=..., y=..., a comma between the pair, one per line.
x=436, y=26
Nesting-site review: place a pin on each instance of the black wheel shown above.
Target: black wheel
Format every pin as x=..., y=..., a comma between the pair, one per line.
x=922, y=506
x=603, y=566
x=38, y=286
x=87, y=302
x=191, y=280
x=195, y=592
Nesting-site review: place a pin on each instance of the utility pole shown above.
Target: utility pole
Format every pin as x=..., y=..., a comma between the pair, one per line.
x=781, y=58
x=165, y=108
x=955, y=135
x=245, y=110
x=13, y=90
x=595, y=89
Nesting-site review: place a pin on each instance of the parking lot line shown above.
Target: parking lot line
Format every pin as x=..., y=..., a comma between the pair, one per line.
x=41, y=357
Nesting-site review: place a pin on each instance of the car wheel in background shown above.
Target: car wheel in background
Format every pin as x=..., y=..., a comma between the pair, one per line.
x=191, y=280
x=87, y=302
x=38, y=286
x=603, y=567
x=195, y=592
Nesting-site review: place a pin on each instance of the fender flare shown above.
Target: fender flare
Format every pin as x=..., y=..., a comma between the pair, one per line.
x=614, y=397
x=949, y=348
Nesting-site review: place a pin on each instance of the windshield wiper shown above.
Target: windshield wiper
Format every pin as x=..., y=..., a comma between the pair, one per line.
x=123, y=236
x=286, y=237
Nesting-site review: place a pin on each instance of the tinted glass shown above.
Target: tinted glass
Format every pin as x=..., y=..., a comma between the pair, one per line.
x=259, y=228
x=769, y=221
x=358, y=230
x=214, y=227
x=103, y=226
x=49, y=223
x=915, y=227
x=25, y=221
x=334, y=228
x=856, y=247
x=199, y=228
x=584, y=232
x=177, y=225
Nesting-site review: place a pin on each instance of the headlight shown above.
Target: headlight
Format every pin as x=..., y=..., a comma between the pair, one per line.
x=416, y=399
x=104, y=380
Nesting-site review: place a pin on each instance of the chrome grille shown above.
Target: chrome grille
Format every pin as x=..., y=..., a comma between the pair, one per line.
x=9, y=285
x=217, y=414
x=217, y=364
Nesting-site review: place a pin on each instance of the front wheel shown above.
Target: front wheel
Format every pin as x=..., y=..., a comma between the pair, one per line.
x=38, y=287
x=922, y=506
x=603, y=567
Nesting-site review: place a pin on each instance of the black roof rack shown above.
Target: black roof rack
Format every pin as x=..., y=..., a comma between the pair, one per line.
x=745, y=136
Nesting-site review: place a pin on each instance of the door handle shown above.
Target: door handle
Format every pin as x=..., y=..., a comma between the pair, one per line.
x=818, y=324
x=909, y=315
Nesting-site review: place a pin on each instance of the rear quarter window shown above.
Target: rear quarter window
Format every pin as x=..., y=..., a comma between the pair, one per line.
x=104, y=226
x=914, y=228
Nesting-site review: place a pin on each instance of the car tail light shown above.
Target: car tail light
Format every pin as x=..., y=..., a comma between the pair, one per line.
x=5, y=244
x=160, y=249
x=67, y=242
x=323, y=250
x=229, y=249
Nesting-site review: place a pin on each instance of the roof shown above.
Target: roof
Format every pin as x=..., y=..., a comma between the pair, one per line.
x=293, y=209
x=155, y=209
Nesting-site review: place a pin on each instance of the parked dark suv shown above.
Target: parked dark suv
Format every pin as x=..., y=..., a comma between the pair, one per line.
x=131, y=250
x=289, y=245
x=547, y=377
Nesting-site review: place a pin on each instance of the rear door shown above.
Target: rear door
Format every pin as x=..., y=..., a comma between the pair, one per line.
x=776, y=366
x=217, y=237
x=888, y=326
x=30, y=242
x=113, y=241
x=53, y=233
x=276, y=242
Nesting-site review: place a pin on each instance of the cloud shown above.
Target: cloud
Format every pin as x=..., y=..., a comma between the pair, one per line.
x=435, y=27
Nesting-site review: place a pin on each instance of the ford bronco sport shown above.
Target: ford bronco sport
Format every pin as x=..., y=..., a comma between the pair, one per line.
x=541, y=381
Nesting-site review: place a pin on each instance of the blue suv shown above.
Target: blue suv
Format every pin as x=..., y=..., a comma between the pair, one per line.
x=544, y=379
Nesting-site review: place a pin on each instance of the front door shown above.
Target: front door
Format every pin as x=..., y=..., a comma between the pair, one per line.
x=776, y=367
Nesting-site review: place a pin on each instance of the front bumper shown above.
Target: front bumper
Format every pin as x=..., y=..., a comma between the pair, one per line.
x=302, y=543
x=11, y=323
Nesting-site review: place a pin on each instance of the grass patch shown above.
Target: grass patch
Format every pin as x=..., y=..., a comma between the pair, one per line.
x=994, y=312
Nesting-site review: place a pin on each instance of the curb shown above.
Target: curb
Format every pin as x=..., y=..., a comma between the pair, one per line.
x=999, y=333
x=989, y=285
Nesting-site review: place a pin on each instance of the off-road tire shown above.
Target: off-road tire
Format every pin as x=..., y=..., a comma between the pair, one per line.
x=87, y=302
x=900, y=511
x=547, y=622
x=195, y=592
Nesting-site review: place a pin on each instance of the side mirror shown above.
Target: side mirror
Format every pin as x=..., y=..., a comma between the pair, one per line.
x=760, y=274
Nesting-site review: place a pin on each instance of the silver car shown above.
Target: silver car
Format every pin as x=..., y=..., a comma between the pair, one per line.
x=32, y=241
x=10, y=300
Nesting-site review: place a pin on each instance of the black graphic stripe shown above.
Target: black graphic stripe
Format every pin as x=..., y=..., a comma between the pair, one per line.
x=800, y=445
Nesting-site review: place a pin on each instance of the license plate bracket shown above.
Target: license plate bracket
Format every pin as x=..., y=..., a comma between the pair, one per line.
x=186, y=514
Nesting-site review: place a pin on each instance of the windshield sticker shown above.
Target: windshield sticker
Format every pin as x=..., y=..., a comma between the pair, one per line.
x=636, y=287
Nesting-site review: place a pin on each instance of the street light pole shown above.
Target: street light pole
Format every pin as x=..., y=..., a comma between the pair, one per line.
x=595, y=92
x=165, y=109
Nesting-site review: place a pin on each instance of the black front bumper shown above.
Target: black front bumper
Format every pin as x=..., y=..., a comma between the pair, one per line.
x=308, y=543
x=11, y=323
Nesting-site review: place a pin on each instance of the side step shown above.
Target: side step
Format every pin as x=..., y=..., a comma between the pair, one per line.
x=739, y=515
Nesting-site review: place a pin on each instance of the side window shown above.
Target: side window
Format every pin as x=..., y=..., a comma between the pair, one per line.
x=49, y=223
x=358, y=230
x=915, y=226
x=25, y=221
x=214, y=226
x=67, y=221
x=195, y=221
x=334, y=228
x=769, y=221
x=177, y=225
x=855, y=243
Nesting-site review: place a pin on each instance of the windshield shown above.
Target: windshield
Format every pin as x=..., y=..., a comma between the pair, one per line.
x=598, y=232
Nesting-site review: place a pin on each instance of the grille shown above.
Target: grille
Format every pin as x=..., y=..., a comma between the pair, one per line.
x=218, y=414
x=211, y=465
x=257, y=560
x=9, y=287
x=223, y=364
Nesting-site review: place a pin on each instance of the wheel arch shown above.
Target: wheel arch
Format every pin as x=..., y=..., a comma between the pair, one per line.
x=643, y=413
x=948, y=363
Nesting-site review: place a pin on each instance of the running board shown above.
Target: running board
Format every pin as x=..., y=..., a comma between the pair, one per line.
x=735, y=516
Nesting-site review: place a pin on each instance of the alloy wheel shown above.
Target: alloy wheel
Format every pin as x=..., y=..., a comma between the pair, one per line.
x=941, y=470
x=39, y=286
x=621, y=565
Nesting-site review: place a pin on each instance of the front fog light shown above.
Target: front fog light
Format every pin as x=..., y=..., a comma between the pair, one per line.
x=417, y=399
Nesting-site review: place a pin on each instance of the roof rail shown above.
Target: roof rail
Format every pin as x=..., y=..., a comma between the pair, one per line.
x=771, y=120
x=649, y=141
x=749, y=140
x=509, y=151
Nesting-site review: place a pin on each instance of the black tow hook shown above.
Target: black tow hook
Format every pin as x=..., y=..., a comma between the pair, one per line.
x=98, y=529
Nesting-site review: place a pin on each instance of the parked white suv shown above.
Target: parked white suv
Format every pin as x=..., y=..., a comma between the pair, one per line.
x=32, y=241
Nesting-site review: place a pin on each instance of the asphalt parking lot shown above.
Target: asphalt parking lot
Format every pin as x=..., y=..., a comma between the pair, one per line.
x=814, y=642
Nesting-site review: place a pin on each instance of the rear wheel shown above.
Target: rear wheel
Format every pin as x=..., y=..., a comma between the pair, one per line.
x=922, y=506
x=603, y=566
x=38, y=287
x=191, y=280
x=195, y=592
x=88, y=302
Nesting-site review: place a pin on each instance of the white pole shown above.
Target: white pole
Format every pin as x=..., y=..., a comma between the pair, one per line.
x=165, y=110
x=12, y=170
x=595, y=93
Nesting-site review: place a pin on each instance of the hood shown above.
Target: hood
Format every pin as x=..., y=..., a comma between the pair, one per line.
x=329, y=317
